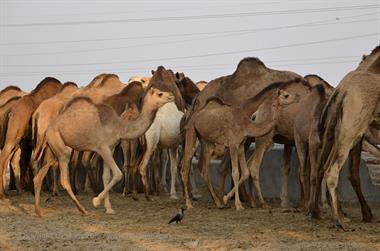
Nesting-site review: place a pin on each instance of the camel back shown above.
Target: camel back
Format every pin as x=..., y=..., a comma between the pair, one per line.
x=48, y=82
x=98, y=79
x=250, y=77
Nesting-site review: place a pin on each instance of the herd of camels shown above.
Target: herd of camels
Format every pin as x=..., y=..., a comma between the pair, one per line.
x=128, y=134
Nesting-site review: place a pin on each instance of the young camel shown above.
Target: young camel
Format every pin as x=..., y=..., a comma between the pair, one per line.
x=165, y=129
x=218, y=124
x=97, y=128
x=351, y=109
x=17, y=121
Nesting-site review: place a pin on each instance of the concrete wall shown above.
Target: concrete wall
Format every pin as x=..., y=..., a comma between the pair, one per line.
x=270, y=177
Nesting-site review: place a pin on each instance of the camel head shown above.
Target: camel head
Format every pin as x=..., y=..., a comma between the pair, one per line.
x=285, y=98
x=156, y=98
x=371, y=61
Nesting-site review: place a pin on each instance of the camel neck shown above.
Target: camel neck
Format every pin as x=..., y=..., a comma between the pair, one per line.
x=251, y=105
x=132, y=129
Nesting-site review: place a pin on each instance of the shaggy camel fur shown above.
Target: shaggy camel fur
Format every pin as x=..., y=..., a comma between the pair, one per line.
x=351, y=109
x=218, y=124
x=97, y=128
x=17, y=121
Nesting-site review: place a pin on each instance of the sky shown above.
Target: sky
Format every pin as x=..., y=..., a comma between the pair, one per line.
x=74, y=40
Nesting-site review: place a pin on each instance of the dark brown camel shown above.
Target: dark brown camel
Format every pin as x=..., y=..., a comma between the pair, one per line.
x=17, y=121
x=218, y=124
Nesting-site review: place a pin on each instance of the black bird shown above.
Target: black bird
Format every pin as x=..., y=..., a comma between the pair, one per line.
x=178, y=217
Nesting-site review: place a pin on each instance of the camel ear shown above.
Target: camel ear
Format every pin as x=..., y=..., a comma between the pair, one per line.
x=177, y=75
x=153, y=72
x=364, y=57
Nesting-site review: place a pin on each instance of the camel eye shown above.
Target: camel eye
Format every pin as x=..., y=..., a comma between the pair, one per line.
x=160, y=94
x=286, y=95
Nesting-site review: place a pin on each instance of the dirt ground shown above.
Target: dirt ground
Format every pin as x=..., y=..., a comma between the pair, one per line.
x=142, y=225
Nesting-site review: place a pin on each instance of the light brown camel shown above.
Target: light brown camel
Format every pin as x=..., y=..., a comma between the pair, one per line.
x=10, y=92
x=86, y=126
x=18, y=118
x=218, y=124
x=308, y=144
x=351, y=109
x=143, y=80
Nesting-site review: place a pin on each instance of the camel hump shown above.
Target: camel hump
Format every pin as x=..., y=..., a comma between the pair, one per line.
x=9, y=88
x=106, y=78
x=95, y=80
x=76, y=100
x=132, y=88
x=46, y=81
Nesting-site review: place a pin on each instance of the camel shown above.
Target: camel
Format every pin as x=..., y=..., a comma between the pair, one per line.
x=165, y=129
x=218, y=124
x=306, y=135
x=10, y=92
x=143, y=80
x=17, y=121
x=4, y=109
x=350, y=110
x=98, y=128
x=249, y=78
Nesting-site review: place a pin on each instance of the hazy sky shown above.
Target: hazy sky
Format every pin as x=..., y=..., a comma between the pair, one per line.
x=78, y=39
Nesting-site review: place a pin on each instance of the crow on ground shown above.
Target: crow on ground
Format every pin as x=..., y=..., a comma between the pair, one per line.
x=178, y=217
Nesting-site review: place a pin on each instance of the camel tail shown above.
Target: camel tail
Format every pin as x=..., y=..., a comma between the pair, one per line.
x=35, y=130
x=4, y=129
x=39, y=150
x=329, y=125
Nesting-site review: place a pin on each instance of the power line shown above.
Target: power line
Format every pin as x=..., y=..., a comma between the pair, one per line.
x=303, y=60
x=222, y=34
x=197, y=17
x=176, y=68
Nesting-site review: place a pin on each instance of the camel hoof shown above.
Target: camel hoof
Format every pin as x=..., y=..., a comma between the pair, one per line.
x=339, y=225
x=286, y=204
x=225, y=199
x=239, y=207
x=197, y=195
x=174, y=197
x=265, y=206
x=38, y=213
x=148, y=198
x=84, y=212
x=110, y=211
x=96, y=202
x=123, y=195
x=135, y=197
x=189, y=205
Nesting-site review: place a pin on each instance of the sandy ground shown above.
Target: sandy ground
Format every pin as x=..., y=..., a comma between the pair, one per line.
x=143, y=225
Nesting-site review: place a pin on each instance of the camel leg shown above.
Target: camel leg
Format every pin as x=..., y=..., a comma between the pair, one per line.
x=223, y=171
x=15, y=163
x=301, y=149
x=287, y=155
x=125, y=147
x=164, y=162
x=354, y=178
x=37, y=180
x=316, y=177
x=204, y=168
x=173, y=155
x=109, y=163
x=254, y=168
x=151, y=144
x=5, y=156
x=234, y=153
x=189, y=150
